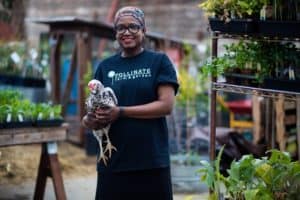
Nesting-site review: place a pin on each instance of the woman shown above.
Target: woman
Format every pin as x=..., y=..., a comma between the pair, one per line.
x=145, y=84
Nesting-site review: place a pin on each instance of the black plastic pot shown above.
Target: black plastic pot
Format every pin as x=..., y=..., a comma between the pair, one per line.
x=22, y=81
x=236, y=26
x=16, y=124
x=241, y=79
x=279, y=28
x=285, y=85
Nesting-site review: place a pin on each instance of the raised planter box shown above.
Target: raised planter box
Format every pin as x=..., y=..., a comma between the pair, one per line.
x=236, y=26
x=48, y=123
x=279, y=28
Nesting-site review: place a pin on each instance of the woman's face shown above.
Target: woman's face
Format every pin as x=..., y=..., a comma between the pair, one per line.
x=129, y=33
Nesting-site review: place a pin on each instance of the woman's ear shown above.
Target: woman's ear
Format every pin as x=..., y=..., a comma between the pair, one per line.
x=144, y=30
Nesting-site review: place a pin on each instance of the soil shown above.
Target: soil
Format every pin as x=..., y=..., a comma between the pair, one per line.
x=19, y=164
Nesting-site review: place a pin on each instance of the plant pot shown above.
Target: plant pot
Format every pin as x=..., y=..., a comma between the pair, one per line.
x=2, y=125
x=236, y=26
x=285, y=85
x=279, y=28
x=17, y=124
x=241, y=79
x=34, y=82
x=22, y=81
x=10, y=80
x=48, y=123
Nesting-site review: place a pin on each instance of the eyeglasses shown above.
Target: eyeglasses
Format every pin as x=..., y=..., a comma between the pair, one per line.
x=132, y=28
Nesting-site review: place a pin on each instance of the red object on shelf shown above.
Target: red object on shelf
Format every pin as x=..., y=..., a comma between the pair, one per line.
x=240, y=106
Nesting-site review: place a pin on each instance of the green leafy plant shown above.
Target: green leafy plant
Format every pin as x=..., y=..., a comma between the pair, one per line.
x=15, y=108
x=276, y=177
x=227, y=9
x=216, y=66
x=211, y=175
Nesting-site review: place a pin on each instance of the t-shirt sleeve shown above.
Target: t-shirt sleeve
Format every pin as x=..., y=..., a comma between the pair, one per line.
x=167, y=73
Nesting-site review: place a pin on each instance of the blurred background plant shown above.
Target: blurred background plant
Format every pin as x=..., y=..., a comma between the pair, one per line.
x=16, y=59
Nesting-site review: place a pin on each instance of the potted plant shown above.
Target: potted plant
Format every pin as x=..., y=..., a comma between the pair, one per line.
x=233, y=16
x=47, y=115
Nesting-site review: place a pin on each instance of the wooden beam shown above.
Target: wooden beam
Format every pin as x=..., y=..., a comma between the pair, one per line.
x=16, y=136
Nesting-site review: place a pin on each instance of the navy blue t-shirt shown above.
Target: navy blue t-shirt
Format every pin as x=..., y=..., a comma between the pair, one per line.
x=140, y=143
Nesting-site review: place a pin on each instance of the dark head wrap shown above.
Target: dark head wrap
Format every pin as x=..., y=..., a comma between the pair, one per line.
x=135, y=12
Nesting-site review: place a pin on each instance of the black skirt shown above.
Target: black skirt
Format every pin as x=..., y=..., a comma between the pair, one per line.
x=153, y=184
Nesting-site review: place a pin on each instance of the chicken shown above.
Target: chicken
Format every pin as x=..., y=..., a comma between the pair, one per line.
x=101, y=97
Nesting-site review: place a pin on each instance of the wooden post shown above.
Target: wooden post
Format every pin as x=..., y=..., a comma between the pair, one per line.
x=83, y=57
x=280, y=125
x=49, y=166
x=256, y=116
x=55, y=44
x=269, y=117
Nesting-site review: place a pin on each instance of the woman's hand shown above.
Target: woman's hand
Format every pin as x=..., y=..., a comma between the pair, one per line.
x=108, y=115
x=90, y=121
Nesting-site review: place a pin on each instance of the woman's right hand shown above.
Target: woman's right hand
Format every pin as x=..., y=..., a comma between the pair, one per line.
x=90, y=121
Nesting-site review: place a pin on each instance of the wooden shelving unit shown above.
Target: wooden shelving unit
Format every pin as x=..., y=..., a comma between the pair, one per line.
x=269, y=94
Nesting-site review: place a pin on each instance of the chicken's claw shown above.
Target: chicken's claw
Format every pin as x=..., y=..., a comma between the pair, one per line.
x=109, y=147
x=102, y=157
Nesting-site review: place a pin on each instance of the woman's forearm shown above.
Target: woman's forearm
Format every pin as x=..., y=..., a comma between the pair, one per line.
x=159, y=108
x=151, y=110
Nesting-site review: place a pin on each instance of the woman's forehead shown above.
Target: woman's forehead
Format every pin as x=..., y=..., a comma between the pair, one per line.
x=127, y=20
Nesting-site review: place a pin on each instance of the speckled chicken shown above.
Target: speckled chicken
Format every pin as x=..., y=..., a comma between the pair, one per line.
x=101, y=97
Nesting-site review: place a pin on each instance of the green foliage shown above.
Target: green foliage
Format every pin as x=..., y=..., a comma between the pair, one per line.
x=87, y=77
x=192, y=86
x=187, y=90
x=17, y=59
x=259, y=58
x=216, y=66
x=276, y=177
x=211, y=175
x=20, y=109
x=226, y=9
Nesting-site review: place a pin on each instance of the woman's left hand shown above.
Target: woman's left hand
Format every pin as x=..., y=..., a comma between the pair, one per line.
x=108, y=115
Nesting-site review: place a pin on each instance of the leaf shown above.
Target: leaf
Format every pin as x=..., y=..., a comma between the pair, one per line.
x=279, y=156
x=251, y=194
x=264, y=172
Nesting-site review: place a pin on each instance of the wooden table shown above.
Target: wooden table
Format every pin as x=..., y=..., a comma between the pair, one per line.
x=49, y=164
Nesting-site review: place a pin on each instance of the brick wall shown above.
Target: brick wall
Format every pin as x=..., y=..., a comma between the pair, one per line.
x=176, y=18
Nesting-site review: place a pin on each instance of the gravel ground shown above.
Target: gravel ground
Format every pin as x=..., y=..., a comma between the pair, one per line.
x=18, y=169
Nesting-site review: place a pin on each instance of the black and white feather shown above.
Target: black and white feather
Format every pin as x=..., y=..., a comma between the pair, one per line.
x=101, y=98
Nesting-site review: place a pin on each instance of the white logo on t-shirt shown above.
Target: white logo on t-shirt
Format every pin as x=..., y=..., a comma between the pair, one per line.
x=133, y=74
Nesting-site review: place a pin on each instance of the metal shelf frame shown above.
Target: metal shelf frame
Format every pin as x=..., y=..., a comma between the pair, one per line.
x=255, y=91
